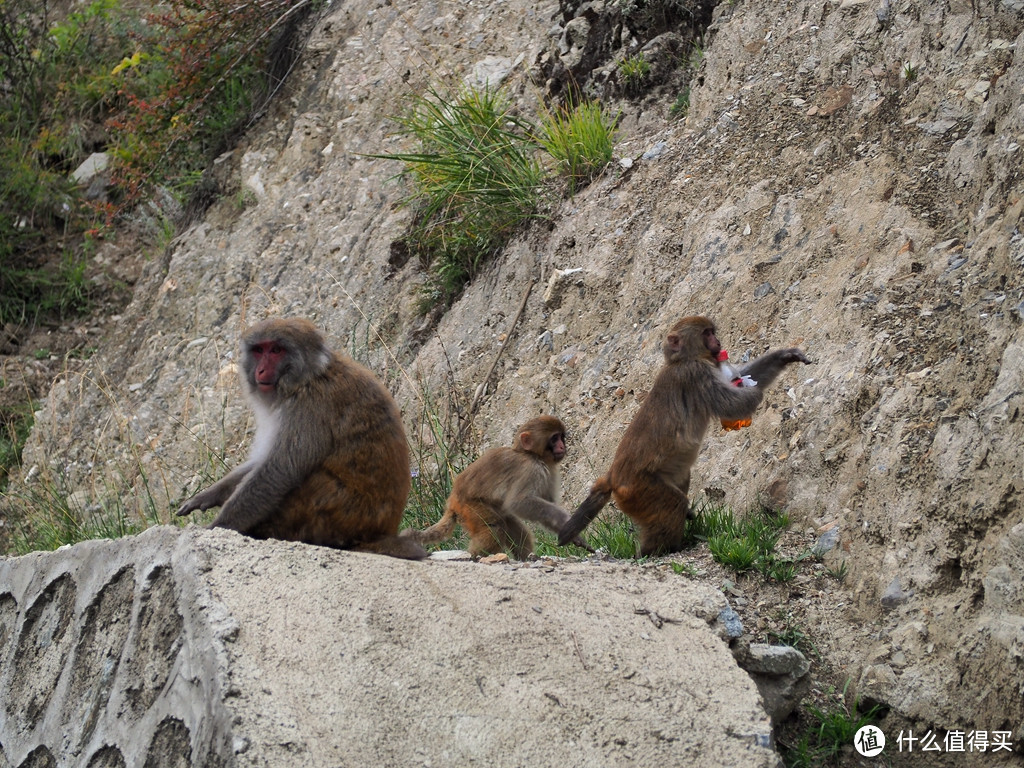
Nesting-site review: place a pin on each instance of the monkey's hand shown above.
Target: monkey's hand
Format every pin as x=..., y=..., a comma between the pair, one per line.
x=218, y=493
x=570, y=533
x=198, y=503
x=579, y=542
x=214, y=496
x=793, y=355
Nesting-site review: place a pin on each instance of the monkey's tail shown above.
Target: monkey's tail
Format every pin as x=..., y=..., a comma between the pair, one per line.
x=600, y=493
x=439, y=531
x=405, y=547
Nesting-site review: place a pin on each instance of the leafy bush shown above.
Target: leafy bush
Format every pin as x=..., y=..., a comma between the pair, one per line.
x=191, y=83
x=162, y=94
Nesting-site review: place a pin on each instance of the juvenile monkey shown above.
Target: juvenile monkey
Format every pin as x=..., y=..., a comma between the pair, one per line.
x=650, y=474
x=330, y=463
x=503, y=487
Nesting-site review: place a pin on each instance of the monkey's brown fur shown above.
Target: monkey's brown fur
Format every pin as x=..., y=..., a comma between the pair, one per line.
x=649, y=478
x=503, y=487
x=330, y=461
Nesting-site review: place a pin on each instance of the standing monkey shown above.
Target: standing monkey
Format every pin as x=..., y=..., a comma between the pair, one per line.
x=330, y=463
x=503, y=487
x=650, y=474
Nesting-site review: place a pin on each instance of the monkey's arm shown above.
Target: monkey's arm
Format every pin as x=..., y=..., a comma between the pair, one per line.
x=728, y=402
x=219, y=492
x=765, y=369
x=551, y=516
x=600, y=493
x=292, y=459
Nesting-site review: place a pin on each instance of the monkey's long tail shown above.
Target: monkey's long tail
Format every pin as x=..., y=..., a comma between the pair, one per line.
x=600, y=493
x=405, y=547
x=439, y=531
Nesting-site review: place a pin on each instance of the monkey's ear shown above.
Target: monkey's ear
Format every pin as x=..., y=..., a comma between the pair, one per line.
x=526, y=441
x=673, y=342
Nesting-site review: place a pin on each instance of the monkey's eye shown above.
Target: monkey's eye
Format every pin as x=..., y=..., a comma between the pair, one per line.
x=267, y=349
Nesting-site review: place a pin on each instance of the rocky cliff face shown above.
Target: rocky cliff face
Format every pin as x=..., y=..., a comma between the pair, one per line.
x=848, y=179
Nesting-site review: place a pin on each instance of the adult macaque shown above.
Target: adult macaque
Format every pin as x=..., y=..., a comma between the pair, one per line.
x=650, y=474
x=504, y=487
x=330, y=463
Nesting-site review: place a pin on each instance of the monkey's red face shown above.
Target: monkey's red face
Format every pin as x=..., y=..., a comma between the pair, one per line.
x=556, y=444
x=267, y=357
x=711, y=342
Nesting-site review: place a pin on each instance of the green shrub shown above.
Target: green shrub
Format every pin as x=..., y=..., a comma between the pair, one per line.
x=162, y=94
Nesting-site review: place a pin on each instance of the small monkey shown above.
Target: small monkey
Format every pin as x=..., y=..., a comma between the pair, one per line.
x=650, y=474
x=330, y=462
x=504, y=487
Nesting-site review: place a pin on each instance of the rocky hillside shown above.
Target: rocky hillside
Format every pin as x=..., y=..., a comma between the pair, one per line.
x=848, y=179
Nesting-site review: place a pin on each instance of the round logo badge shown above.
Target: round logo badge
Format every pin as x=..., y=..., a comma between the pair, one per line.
x=869, y=741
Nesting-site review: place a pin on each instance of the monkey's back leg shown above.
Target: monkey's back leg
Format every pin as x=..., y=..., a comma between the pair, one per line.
x=490, y=532
x=516, y=538
x=660, y=511
x=329, y=510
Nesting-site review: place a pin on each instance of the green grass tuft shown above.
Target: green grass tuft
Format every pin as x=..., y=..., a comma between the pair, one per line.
x=831, y=734
x=746, y=543
x=580, y=140
x=475, y=180
x=634, y=72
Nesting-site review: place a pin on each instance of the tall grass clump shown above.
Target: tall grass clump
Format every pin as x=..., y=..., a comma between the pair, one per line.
x=476, y=178
x=580, y=139
x=438, y=455
x=15, y=425
x=46, y=514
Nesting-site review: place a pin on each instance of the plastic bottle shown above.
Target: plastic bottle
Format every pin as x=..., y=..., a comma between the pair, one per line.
x=734, y=378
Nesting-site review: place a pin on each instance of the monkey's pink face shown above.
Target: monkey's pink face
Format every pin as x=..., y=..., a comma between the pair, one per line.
x=556, y=444
x=711, y=342
x=267, y=357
